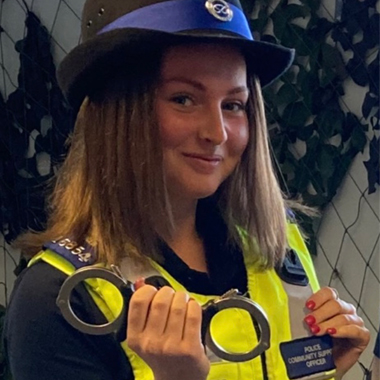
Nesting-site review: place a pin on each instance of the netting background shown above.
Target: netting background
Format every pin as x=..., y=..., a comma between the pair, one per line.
x=348, y=235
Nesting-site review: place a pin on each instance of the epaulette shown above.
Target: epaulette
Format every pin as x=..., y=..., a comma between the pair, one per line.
x=78, y=255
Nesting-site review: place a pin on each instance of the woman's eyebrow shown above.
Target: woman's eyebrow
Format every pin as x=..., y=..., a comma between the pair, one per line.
x=189, y=81
x=201, y=87
x=238, y=90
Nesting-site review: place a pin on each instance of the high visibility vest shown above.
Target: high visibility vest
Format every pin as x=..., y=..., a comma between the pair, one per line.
x=283, y=302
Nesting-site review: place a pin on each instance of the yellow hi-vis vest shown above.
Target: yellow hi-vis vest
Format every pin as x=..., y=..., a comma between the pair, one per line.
x=284, y=304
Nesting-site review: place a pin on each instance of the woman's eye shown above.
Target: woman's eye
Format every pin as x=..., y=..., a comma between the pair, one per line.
x=234, y=106
x=183, y=100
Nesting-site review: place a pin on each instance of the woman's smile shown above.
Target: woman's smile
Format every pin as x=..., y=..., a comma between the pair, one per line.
x=203, y=163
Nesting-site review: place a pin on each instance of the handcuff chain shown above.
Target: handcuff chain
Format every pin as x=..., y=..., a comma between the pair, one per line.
x=116, y=270
x=230, y=293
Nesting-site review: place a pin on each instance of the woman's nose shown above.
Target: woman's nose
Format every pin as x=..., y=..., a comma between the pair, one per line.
x=213, y=128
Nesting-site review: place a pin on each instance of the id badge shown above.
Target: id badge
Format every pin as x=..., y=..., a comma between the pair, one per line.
x=309, y=358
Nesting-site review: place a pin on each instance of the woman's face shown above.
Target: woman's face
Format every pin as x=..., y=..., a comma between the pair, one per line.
x=200, y=105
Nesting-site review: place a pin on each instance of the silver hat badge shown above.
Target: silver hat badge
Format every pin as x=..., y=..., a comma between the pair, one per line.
x=220, y=9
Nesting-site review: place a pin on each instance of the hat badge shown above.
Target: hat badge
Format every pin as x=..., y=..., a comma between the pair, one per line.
x=220, y=9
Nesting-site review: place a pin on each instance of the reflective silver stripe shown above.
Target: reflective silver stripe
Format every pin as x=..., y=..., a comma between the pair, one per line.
x=212, y=357
x=297, y=296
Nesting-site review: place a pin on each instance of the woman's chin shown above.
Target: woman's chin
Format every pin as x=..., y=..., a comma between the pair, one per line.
x=193, y=194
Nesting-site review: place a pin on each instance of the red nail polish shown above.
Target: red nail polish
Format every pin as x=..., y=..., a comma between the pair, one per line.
x=310, y=320
x=310, y=305
x=331, y=331
x=315, y=329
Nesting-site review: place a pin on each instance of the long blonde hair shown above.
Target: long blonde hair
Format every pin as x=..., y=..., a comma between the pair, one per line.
x=111, y=188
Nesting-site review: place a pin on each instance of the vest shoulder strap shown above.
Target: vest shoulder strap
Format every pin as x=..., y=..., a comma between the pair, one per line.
x=54, y=259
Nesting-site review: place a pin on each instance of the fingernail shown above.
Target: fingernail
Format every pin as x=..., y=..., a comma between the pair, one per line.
x=140, y=282
x=310, y=320
x=315, y=329
x=310, y=305
x=331, y=331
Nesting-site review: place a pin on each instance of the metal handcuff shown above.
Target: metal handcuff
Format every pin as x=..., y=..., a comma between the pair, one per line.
x=118, y=327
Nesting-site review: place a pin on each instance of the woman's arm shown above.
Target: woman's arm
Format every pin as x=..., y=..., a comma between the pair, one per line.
x=41, y=345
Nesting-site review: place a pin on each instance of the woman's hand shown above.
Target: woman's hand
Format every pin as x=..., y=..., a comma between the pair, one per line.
x=330, y=315
x=164, y=329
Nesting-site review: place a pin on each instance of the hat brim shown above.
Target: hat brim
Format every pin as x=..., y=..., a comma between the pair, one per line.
x=88, y=64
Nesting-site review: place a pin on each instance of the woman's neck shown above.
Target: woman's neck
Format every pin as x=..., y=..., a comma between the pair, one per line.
x=185, y=241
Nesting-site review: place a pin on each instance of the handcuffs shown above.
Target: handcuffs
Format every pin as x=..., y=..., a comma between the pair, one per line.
x=118, y=327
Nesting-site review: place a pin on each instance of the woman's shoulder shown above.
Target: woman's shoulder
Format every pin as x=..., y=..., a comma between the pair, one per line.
x=34, y=292
x=36, y=334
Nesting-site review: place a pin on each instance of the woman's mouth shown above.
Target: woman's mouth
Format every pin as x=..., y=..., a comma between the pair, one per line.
x=203, y=163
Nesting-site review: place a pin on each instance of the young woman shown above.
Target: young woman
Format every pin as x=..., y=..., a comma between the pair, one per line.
x=169, y=169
